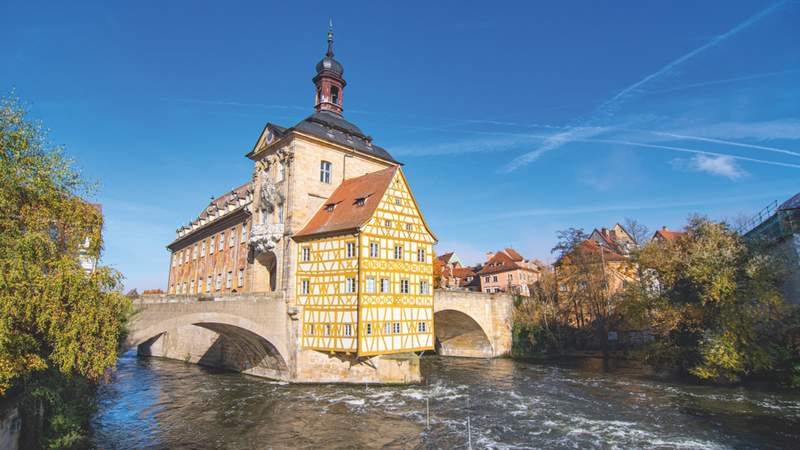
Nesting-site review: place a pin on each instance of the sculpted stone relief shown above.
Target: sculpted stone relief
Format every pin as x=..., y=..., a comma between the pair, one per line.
x=265, y=236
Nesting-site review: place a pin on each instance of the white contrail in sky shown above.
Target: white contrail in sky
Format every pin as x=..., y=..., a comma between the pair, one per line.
x=721, y=141
x=607, y=106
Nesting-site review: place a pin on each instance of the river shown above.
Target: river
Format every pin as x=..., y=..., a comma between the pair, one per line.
x=158, y=403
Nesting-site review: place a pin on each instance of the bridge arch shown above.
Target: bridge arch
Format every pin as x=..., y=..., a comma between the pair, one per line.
x=248, y=346
x=458, y=334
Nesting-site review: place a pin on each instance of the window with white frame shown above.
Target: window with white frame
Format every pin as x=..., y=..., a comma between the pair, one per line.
x=325, y=172
x=385, y=286
x=398, y=252
x=305, y=254
x=421, y=255
x=397, y=201
x=370, y=287
x=244, y=232
x=350, y=250
x=486, y=279
x=194, y=252
x=423, y=287
x=404, y=286
x=281, y=172
x=240, y=280
x=494, y=278
x=387, y=328
x=232, y=240
x=311, y=329
x=203, y=249
x=327, y=329
x=180, y=258
x=219, y=281
x=374, y=249
x=211, y=245
x=348, y=329
x=174, y=260
x=208, y=283
x=350, y=285
x=387, y=223
x=199, y=285
x=368, y=329
x=229, y=280
x=396, y=328
x=191, y=287
x=409, y=227
x=221, y=243
x=422, y=327
x=305, y=286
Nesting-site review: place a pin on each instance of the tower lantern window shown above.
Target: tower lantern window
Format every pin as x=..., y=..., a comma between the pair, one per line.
x=335, y=95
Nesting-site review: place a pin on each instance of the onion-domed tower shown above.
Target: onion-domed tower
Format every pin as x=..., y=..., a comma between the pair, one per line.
x=329, y=82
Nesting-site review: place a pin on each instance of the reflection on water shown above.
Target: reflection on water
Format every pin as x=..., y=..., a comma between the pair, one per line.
x=156, y=403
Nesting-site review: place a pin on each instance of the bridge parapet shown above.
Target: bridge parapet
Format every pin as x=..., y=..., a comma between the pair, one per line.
x=149, y=299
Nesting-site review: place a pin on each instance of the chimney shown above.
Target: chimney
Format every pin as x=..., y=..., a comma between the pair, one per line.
x=664, y=228
x=489, y=256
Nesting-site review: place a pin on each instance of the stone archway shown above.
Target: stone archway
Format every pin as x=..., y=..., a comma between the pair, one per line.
x=217, y=340
x=458, y=334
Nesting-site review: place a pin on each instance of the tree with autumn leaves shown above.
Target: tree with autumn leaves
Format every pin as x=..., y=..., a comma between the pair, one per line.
x=60, y=327
x=714, y=302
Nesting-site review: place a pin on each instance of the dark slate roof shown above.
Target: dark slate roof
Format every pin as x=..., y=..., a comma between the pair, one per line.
x=333, y=127
x=792, y=203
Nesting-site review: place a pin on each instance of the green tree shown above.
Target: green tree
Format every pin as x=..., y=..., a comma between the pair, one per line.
x=714, y=302
x=57, y=322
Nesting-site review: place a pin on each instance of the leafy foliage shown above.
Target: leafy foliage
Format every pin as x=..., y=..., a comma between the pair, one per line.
x=714, y=300
x=55, y=318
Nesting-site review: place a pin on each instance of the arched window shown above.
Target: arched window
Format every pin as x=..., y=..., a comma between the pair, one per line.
x=335, y=95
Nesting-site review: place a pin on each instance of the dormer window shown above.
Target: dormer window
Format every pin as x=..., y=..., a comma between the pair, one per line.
x=360, y=201
x=330, y=207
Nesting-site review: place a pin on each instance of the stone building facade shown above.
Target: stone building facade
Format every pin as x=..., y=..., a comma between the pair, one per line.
x=250, y=239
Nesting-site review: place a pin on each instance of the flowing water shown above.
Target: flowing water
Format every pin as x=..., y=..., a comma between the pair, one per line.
x=157, y=403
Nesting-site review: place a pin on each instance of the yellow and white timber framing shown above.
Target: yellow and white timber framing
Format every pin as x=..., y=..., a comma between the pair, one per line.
x=366, y=303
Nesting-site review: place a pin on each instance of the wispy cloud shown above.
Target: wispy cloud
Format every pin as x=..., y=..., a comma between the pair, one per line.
x=594, y=209
x=723, y=166
x=498, y=143
x=614, y=102
x=553, y=142
x=726, y=142
x=609, y=106
x=232, y=103
x=787, y=129
x=754, y=76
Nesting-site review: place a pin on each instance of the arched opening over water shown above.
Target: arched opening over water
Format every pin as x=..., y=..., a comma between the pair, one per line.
x=227, y=343
x=458, y=334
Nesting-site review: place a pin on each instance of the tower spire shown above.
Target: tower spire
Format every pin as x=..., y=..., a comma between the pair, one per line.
x=330, y=37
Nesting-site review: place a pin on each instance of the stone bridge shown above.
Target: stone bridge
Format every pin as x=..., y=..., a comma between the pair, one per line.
x=258, y=334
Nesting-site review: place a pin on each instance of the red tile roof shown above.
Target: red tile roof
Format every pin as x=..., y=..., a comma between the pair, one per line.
x=502, y=261
x=590, y=247
x=346, y=213
x=445, y=259
x=513, y=254
x=669, y=235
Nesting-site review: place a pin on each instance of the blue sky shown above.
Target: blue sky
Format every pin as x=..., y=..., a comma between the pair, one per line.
x=514, y=120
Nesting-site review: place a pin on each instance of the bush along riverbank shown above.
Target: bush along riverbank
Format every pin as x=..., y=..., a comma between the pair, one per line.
x=60, y=324
x=707, y=304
